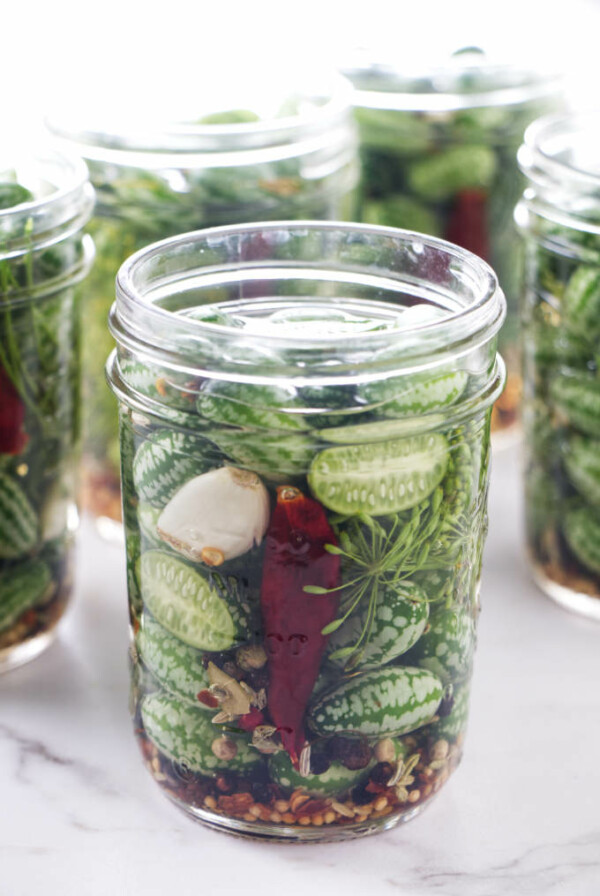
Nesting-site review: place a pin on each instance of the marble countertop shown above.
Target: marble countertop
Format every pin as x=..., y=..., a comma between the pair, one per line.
x=80, y=815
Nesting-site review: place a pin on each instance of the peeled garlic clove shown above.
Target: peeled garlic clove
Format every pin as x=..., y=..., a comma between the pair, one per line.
x=216, y=516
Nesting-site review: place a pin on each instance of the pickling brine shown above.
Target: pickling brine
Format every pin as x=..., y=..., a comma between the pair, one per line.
x=305, y=510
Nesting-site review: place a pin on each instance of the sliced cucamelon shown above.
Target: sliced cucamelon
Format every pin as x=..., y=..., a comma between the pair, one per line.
x=378, y=703
x=447, y=647
x=378, y=430
x=581, y=529
x=21, y=588
x=577, y=397
x=186, y=734
x=380, y=477
x=163, y=463
x=147, y=517
x=400, y=619
x=582, y=463
x=175, y=665
x=185, y=603
x=18, y=520
x=334, y=782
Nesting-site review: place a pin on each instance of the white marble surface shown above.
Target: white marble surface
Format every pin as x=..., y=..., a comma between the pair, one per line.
x=80, y=815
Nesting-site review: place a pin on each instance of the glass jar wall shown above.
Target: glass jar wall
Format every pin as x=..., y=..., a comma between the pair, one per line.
x=45, y=201
x=438, y=146
x=560, y=218
x=305, y=511
x=288, y=154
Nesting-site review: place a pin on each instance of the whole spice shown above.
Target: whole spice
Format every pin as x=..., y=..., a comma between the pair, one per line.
x=296, y=557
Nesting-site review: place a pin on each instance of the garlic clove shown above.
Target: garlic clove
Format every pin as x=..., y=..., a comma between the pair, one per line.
x=216, y=516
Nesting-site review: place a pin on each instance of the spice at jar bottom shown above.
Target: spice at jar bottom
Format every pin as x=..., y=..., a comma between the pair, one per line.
x=304, y=556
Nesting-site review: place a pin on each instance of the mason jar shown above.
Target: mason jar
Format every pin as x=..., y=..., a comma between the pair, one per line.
x=438, y=142
x=559, y=216
x=45, y=201
x=290, y=154
x=305, y=511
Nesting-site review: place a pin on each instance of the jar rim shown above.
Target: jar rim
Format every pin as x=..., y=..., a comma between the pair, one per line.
x=76, y=181
x=137, y=322
x=553, y=134
x=433, y=88
x=159, y=141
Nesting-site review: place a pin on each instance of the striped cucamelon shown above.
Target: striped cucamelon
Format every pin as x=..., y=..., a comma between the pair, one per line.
x=185, y=734
x=19, y=529
x=577, y=397
x=378, y=703
x=164, y=462
x=447, y=647
x=381, y=477
x=273, y=455
x=251, y=406
x=416, y=394
x=580, y=304
x=455, y=723
x=21, y=588
x=400, y=619
x=334, y=782
x=581, y=528
x=175, y=665
x=441, y=175
x=582, y=464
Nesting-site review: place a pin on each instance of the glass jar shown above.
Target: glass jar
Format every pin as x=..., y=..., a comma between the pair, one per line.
x=305, y=510
x=559, y=216
x=438, y=146
x=290, y=155
x=45, y=201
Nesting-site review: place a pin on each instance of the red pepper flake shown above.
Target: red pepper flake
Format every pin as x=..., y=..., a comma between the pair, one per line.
x=251, y=720
x=207, y=699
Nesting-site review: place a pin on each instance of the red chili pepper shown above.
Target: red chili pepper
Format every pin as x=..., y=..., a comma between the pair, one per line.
x=295, y=556
x=467, y=224
x=13, y=437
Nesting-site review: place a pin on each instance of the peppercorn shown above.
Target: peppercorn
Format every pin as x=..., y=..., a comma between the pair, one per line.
x=319, y=763
x=381, y=773
x=261, y=792
x=361, y=796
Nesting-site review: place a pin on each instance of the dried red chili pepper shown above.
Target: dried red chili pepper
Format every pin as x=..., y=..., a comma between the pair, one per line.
x=467, y=223
x=295, y=557
x=13, y=437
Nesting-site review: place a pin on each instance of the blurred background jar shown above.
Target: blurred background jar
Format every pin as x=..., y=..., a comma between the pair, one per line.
x=265, y=149
x=45, y=201
x=439, y=136
x=559, y=216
